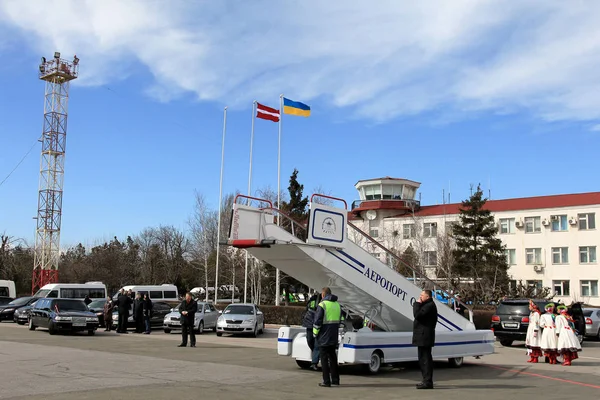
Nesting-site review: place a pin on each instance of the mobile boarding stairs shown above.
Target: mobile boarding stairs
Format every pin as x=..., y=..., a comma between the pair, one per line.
x=364, y=285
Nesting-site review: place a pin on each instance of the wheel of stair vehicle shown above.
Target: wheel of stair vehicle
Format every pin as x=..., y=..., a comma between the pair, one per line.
x=375, y=363
x=456, y=362
x=303, y=364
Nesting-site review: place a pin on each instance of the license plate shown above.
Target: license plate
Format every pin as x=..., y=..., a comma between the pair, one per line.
x=231, y=326
x=79, y=324
x=513, y=325
x=176, y=323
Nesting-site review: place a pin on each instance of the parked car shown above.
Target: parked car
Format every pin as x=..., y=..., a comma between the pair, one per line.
x=206, y=318
x=511, y=320
x=159, y=310
x=62, y=315
x=97, y=307
x=7, y=312
x=4, y=300
x=592, y=322
x=21, y=316
x=241, y=319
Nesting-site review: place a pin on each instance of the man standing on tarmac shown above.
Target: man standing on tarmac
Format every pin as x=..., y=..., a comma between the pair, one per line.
x=426, y=316
x=308, y=322
x=325, y=328
x=188, y=309
x=123, y=303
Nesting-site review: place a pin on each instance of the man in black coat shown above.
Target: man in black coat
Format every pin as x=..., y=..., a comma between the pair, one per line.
x=123, y=303
x=138, y=313
x=426, y=316
x=188, y=309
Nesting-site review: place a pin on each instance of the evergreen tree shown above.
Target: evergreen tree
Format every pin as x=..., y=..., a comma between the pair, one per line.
x=410, y=260
x=479, y=255
x=296, y=208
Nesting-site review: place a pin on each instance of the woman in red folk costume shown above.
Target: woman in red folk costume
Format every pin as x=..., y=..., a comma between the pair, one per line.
x=532, y=341
x=567, y=342
x=548, y=340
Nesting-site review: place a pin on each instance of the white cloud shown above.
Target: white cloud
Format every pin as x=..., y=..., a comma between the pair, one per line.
x=381, y=60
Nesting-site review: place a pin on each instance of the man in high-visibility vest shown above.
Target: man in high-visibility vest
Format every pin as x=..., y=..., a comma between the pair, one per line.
x=307, y=322
x=326, y=330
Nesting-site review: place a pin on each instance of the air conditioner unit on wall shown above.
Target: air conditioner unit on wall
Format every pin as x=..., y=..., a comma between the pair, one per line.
x=538, y=268
x=519, y=224
x=545, y=222
x=572, y=221
x=555, y=218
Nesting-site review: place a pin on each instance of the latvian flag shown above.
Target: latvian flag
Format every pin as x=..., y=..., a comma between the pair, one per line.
x=265, y=112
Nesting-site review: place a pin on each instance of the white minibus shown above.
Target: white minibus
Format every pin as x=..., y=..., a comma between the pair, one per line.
x=95, y=290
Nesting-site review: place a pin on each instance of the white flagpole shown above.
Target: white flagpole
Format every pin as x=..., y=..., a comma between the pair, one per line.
x=277, y=289
x=249, y=194
x=220, y=201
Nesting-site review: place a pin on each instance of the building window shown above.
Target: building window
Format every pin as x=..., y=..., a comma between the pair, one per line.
x=587, y=254
x=430, y=229
x=376, y=255
x=559, y=223
x=511, y=256
x=392, y=192
x=589, y=288
x=373, y=192
x=430, y=258
x=561, y=288
x=374, y=232
x=533, y=225
x=449, y=227
x=507, y=225
x=587, y=221
x=536, y=285
x=512, y=285
x=533, y=256
x=408, y=231
x=560, y=255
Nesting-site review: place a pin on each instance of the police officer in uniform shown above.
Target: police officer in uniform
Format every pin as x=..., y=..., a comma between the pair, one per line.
x=326, y=328
x=307, y=322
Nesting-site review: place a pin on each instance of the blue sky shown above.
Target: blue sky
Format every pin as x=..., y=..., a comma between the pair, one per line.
x=444, y=95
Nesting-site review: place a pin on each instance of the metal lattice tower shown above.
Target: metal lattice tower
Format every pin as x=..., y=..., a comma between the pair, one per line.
x=57, y=73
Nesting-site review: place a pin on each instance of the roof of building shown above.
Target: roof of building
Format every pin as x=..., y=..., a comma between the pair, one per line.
x=388, y=178
x=523, y=203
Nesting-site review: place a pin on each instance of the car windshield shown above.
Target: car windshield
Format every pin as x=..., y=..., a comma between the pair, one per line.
x=20, y=302
x=587, y=313
x=513, y=308
x=41, y=293
x=243, y=310
x=97, y=304
x=70, y=305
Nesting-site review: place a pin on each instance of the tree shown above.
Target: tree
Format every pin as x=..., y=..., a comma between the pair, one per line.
x=479, y=255
x=203, y=227
x=296, y=207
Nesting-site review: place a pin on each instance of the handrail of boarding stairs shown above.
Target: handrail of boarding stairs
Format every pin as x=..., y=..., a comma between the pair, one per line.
x=329, y=197
x=252, y=198
x=421, y=275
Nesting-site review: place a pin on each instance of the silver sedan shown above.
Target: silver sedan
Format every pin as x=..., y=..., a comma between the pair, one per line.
x=592, y=322
x=241, y=319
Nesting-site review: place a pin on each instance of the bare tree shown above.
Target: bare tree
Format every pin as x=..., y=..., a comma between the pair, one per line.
x=203, y=227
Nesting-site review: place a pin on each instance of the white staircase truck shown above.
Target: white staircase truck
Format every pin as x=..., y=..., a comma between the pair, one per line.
x=363, y=284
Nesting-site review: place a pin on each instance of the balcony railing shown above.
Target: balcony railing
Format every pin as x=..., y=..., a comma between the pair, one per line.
x=408, y=204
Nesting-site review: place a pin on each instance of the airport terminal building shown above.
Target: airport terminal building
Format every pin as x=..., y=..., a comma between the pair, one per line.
x=551, y=241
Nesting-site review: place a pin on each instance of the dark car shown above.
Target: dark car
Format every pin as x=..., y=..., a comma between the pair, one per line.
x=5, y=300
x=7, y=312
x=511, y=320
x=97, y=307
x=21, y=316
x=159, y=310
x=62, y=315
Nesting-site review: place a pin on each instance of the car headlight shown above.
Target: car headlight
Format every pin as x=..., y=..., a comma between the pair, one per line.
x=8, y=310
x=221, y=319
x=249, y=320
x=59, y=318
x=91, y=319
x=115, y=317
x=167, y=318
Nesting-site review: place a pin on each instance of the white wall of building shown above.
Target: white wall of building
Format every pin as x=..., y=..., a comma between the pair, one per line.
x=565, y=260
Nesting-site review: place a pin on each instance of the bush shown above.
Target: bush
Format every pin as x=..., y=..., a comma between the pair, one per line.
x=483, y=318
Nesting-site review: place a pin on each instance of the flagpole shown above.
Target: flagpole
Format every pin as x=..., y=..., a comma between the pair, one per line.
x=249, y=194
x=220, y=201
x=278, y=189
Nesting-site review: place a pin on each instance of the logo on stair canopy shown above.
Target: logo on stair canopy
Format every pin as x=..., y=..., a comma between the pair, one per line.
x=328, y=226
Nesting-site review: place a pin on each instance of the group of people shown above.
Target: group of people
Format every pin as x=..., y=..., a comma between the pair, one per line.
x=322, y=322
x=551, y=335
x=142, y=311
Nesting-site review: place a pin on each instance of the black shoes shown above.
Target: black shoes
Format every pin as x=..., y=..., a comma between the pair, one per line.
x=424, y=386
x=192, y=345
x=321, y=384
x=182, y=345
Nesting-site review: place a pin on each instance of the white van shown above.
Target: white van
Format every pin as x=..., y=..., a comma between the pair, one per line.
x=164, y=292
x=95, y=290
x=7, y=289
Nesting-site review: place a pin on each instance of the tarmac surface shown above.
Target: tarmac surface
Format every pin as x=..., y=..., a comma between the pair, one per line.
x=109, y=366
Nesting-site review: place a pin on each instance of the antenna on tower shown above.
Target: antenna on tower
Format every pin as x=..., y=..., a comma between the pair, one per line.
x=57, y=73
x=471, y=188
x=449, y=202
x=489, y=188
x=443, y=196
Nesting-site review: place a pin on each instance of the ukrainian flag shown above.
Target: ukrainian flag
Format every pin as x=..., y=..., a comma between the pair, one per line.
x=295, y=108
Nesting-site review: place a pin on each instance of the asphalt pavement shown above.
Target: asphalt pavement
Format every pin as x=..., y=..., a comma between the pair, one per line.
x=107, y=366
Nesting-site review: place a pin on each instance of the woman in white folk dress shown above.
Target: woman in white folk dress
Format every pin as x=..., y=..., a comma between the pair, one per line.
x=548, y=340
x=567, y=342
x=532, y=341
